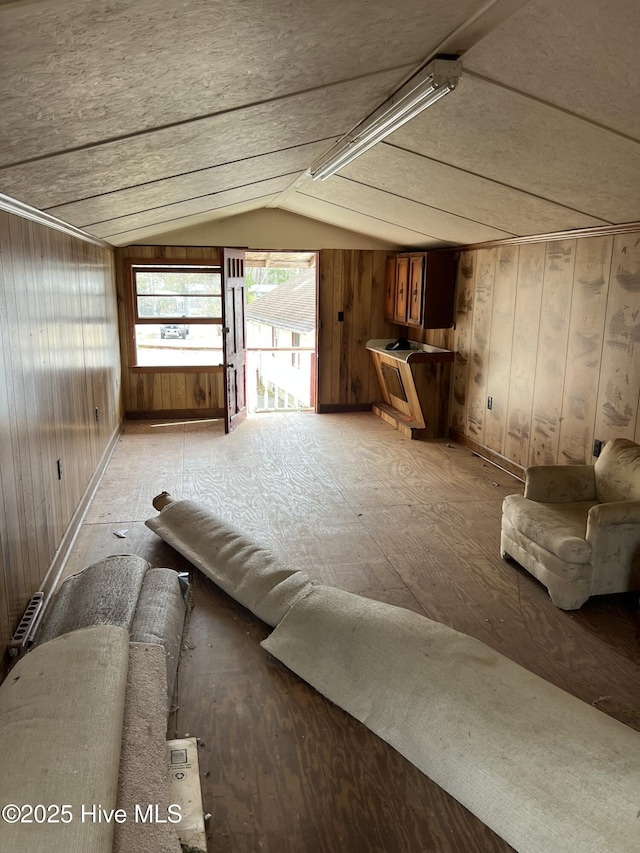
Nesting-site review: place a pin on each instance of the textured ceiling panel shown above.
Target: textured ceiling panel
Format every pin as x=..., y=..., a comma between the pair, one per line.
x=75, y=72
x=163, y=215
x=519, y=142
x=579, y=54
x=408, y=214
x=223, y=139
x=134, y=118
x=192, y=185
x=429, y=182
x=315, y=208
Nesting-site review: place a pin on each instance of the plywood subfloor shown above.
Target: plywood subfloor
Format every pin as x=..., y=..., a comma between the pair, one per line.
x=358, y=506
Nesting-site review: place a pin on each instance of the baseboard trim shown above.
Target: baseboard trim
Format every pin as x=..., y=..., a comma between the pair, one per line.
x=171, y=414
x=333, y=408
x=496, y=459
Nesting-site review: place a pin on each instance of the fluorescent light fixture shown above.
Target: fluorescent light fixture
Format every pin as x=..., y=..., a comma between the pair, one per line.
x=437, y=79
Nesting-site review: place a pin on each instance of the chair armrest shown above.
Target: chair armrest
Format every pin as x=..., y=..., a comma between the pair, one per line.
x=617, y=512
x=560, y=483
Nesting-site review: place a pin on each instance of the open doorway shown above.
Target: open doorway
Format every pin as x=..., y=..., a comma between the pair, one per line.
x=281, y=331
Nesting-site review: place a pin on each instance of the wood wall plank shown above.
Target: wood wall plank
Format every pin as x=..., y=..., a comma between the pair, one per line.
x=617, y=408
x=465, y=293
x=376, y=312
x=325, y=325
x=480, y=339
x=347, y=350
x=59, y=359
x=552, y=352
x=500, y=343
x=360, y=361
x=586, y=327
x=528, y=285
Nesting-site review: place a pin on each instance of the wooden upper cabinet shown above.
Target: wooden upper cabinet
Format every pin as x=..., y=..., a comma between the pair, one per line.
x=402, y=288
x=390, y=290
x=419, y=289
x=416, y=290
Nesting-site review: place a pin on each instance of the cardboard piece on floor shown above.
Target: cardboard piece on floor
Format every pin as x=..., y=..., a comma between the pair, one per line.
x=185, y=791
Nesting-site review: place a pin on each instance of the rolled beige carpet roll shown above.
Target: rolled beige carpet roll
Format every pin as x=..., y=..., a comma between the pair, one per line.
x=252, y=575
x=143, y=779
x=61, y=712
x=544, y=770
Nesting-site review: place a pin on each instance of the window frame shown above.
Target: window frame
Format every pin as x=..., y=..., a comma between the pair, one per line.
x=134, y=265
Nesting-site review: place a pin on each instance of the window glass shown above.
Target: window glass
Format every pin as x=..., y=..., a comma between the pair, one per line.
x=178, y=316
x=178, y=344
x=179, y=306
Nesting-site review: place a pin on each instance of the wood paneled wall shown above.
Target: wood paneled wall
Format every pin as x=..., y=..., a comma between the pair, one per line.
x=551, y=332
x=59, y=363
x=152, y=392
x=353, y=282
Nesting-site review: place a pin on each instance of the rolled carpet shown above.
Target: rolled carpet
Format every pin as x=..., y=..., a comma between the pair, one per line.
x=544, y=770
x=143, y=781
x=159, y=618
x=61, y=712
x=252, y=575
x=105, y=593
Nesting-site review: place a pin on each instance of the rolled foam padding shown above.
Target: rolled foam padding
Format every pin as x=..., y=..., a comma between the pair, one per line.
x=160, y=617
x=252, y=575
x=105, y=593
x=143, y=759
x=61, y=712
x=541, y=768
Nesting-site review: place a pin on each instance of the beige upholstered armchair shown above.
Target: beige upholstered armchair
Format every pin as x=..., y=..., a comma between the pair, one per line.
x=577, y=528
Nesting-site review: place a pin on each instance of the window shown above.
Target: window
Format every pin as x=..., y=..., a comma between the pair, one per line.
x=177, y=315
x=295, y=356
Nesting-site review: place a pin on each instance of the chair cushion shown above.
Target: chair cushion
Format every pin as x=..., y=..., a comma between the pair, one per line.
x=559, y=527
x=617, y=471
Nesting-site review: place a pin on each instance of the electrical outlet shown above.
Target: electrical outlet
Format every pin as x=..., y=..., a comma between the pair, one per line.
x=597, y=447
x=489, y=402
x=97, y=414
x=340, y=316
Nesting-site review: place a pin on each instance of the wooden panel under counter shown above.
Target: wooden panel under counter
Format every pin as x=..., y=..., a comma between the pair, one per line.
x=415, y=387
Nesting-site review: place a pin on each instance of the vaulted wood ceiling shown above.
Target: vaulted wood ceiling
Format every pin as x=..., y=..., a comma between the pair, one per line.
x=129, y=119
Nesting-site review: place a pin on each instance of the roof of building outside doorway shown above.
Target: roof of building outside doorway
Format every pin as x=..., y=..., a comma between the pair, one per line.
x=291, y=305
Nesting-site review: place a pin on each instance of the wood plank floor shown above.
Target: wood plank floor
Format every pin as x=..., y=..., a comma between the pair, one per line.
x=358, y=506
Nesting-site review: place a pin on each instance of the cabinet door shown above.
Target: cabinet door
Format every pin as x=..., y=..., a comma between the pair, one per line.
x=416, y=290
x=439, y=285
x=390, y=290
x=402, y=282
